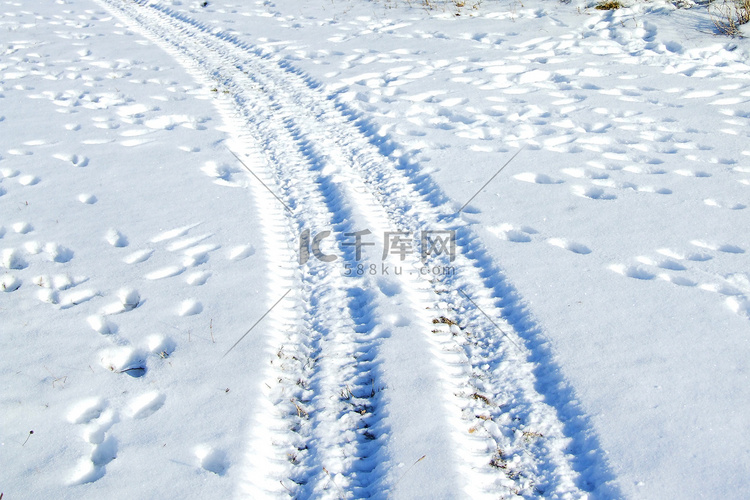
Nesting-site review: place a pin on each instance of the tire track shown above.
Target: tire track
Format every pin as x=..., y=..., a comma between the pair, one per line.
x=326, y=427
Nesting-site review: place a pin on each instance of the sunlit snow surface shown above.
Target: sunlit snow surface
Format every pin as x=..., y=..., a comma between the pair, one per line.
x=159, y=162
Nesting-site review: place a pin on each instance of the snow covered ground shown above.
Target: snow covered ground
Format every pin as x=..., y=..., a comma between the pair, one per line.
x=170, y=327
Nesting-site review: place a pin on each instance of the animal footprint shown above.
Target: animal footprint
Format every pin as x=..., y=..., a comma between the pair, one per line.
x=9, y=283
x=223, y=174
x=189, y=307
x=104, y=447
x=734, y=287
x=11, y=258
x=160, y=345
x=662, y=263
x=211, y=459
x=195, y=252
x=198, y=278
x=86, y=410
x=187, y=242
x=739, y=303
x=58, y=253
x=632, y=272
x=28, y=180
x=524, y=234
x=86, y=472
x=96, y=428
x=128, y=299
x=173, y=233
x=537, y=178
x=138, y=256
x=593, y=193
x=731, y=206
x=88, y=199
x=123, y=359
x=101, y=325
x=75, y=160
x=678, y=280
x=693, y=256
x=241, y=252
x=146, y=405
x=116, y=238
x=165, y=272
x=22, y=227
x=508, y=232
x=76, y=297
x=725, y=247
x=572, y=246
x=104, y=452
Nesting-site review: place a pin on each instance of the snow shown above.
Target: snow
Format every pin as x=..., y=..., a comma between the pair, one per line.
x=168, y=331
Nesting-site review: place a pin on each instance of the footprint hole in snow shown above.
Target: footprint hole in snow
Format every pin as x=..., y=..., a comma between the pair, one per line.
x=104, y=452
x=189, y=307
x=9, y=283
x=195, y=259
x=593, y=193
x=86, y=410
x=165, y=272
x=65, y=281
x=100, y=324
x=241, y=252
x=86, y=472
x=730, y=249
x=219, y=171
x=9, y=172
x=58, y=253
x=198, y=278
x=173, y=233
x=515, y=236
x=76, y=297
x=28, y=180
x=160, y=345
x=146, y=405
x=123, y=359
x=88, y=199
x=95, y=434
x=32, y=247
x=508, y=232
x=632, y=272
x=22, y=227
x=11, y=258
x=211, y=459
x=129, y=298
x=571, y=246
x=49, y=296
x=739, y=305
x=138, y=256
x=678, y=280
x=537, y=178
x=116, y=238
x=671, y=265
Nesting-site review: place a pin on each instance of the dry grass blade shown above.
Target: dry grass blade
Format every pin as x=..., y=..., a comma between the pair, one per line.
x=729, y=15
x=608, y=5
x=407, y=470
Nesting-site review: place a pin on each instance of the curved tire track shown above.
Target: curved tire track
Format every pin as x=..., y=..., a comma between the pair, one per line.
x=335, y=422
